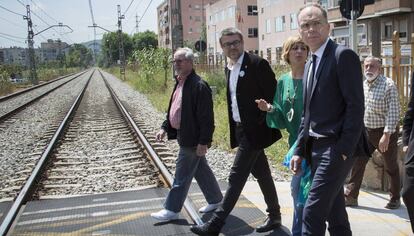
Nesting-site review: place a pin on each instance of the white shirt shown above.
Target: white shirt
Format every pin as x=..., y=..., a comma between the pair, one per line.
x=234, y=77
x=318, y=54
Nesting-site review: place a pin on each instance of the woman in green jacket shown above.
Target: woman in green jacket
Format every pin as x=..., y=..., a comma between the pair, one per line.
x=286, y=110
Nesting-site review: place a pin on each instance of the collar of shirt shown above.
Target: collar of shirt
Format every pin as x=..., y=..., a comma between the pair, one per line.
x=319, y=52
x=181, y=79
x=239, y=61
x=377, y=81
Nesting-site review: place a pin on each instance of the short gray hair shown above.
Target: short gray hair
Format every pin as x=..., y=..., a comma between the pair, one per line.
x=230, y=31
x=187, y=52
x=377, y=59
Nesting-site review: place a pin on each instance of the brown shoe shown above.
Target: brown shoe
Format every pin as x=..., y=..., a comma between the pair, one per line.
x=351, y=202
x=393, y=204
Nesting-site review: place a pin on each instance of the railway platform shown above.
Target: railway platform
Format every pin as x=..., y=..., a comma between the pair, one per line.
x=128, y=213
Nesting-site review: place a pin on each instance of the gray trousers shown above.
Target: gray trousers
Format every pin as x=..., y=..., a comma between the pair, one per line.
x=189, y=165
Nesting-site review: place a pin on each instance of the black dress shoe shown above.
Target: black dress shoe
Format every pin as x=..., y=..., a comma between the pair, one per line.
x=269, y=224
x=207, y=229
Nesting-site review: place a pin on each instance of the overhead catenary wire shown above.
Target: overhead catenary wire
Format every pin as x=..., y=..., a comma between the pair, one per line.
x=41, y=9
x=11, y=11
x=9, y=35
x=47, y=24
x=16, y=41
x=13, y=23
x=128, y=7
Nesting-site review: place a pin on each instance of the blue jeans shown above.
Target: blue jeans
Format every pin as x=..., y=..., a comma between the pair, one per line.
x=297, y=209
x=189, y=165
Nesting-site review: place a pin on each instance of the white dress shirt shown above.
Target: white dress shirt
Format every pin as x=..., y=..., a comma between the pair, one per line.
x=234, y=69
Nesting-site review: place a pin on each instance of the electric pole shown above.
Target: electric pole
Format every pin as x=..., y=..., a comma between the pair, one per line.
x=136, y=24
x=121, y=44
x=176, y=25
x=30, y=35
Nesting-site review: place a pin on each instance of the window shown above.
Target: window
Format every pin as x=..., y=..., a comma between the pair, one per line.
x=252, y=10
x=252, y=33
x=324, y=3
x=190, y=30
x=387, y=30
x=268, y=26
x=231, y=11
x=293, y=21
x=191, y=17
x=403, y=30
x=279, y=22
x=333, y=3
x=197, y=7
x=197, y=18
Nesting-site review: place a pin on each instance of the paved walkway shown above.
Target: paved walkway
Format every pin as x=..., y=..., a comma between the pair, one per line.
x=369, y=218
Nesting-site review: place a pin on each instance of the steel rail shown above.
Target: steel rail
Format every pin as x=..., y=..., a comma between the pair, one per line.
x=6, y=97
x=29, y=186
x=157, y=160
x=10, y=113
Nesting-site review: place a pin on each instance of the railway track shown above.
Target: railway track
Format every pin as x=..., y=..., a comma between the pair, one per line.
x=97, y=148
x=16, y=102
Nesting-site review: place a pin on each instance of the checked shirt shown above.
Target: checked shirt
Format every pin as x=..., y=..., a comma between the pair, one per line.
x=382, y=107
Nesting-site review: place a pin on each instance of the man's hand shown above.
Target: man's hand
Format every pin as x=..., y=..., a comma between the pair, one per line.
x=296, y=164
x=160, y=135
x=201, y=150
x=405, y=148
x=384, y=141
x=262, y=104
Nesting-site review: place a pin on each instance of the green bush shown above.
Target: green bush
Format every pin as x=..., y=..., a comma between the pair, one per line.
x=6, y=86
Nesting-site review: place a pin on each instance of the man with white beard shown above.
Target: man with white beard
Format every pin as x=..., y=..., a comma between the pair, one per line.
x=381, y=117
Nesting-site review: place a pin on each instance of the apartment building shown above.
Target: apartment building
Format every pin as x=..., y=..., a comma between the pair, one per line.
x=51, y=50
x=278, y=21
x=241, y=14
x=13, y=55
x=376, y=26
x=181, y=22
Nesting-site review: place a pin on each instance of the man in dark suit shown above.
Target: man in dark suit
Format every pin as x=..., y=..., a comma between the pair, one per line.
x=248, y=78
x=408, y=142
x=331, y=124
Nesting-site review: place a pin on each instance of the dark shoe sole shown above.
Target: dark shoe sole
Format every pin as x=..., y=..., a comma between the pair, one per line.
x=262, y=230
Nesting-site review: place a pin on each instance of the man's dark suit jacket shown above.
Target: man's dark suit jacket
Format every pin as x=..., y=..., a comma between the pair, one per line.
x=256, y=81
x=336, y=103
x=408, y=131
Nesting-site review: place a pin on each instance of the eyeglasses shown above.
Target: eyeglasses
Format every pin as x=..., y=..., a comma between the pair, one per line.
x=235, y=44
x=313, y=24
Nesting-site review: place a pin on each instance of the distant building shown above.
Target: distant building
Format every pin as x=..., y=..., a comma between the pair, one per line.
x=52, y=50
x=180, y=22
x=48, y=51
x=13, y=55
x=241, y=14
x=278, y=21
x=376, y=27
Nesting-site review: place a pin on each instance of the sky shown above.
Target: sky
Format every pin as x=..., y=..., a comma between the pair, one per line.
x=75, y=14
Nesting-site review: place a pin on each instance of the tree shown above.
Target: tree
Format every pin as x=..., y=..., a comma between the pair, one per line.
x=110, y=47
x=145, y=39
x=79, y=56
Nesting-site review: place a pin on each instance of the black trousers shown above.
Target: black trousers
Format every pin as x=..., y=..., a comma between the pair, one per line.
x=326, y=201
x=408, y=191
x=248, y=160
